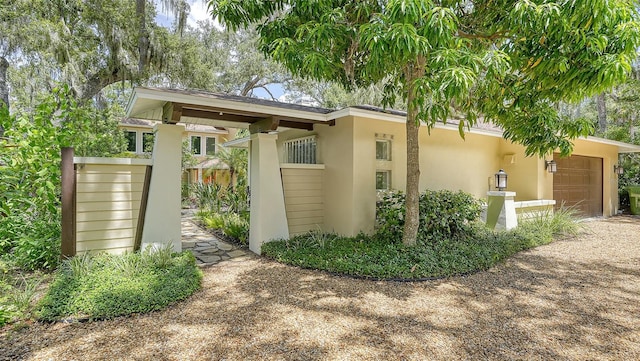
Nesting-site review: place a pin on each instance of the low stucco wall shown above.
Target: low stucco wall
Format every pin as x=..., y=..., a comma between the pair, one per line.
x=108, y=194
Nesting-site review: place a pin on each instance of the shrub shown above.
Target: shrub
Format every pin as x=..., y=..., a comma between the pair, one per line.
x=232, y=224
x=39, y=247
x=214, y=220
x=105, y=286
x=477, y=248
x=236, y=227
x=443, y=214
x=209, y=195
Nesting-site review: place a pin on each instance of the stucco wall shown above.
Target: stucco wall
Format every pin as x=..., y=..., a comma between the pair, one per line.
x=348, y=152
x=446, y=162
x=336, y=148
x=527, y=175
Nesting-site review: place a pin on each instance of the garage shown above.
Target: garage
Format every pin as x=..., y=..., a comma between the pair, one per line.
x=578, y=184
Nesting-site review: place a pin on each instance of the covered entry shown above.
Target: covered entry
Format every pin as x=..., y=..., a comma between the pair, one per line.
x=578, y=184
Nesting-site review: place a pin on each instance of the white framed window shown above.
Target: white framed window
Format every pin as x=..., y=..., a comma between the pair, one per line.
x=131, y=137
x=196, y=145
x=301, y=150
x=147, y=142
x=210, y=146
x=383, y=149
x=383, y=179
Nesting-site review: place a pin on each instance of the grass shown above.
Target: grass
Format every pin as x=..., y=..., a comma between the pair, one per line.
x=18, y=292
x=106, y=286
x=378, y=258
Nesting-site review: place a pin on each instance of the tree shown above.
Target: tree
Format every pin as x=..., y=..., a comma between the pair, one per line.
x=213, y=59
x=237, y=161
x=508, y=61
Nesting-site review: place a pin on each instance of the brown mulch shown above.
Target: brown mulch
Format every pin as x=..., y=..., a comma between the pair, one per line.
x=574, y=299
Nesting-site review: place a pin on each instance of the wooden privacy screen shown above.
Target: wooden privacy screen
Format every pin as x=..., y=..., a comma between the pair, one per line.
x=303, y=197
x=106, y=212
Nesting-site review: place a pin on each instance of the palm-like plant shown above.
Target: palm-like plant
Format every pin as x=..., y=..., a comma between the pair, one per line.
x=237, y=160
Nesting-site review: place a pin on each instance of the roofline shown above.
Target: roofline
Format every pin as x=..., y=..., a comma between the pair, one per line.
x=628, y=147
x=177, y=97
x=237, y=143
x=157, y=94
x=396, y=118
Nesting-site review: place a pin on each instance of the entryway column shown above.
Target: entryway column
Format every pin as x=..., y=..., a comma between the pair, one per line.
x=268, y=217
x=162, y=218
x=501, y=210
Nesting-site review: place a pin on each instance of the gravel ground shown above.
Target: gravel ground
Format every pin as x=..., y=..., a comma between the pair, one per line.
x=575, y=299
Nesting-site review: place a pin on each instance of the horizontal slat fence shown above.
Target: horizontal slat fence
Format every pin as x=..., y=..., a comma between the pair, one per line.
x=303, y=197
x=107, y=203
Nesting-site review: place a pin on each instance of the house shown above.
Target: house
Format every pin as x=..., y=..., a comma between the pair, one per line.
x=315, y=168
x=203, y=141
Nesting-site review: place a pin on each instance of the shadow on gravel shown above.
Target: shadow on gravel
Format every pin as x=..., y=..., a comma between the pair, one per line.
x=543, y=304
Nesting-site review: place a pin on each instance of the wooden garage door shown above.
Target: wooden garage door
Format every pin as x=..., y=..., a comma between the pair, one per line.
x=578, y=184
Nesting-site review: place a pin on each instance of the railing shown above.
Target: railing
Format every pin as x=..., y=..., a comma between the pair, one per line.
x=301, y=150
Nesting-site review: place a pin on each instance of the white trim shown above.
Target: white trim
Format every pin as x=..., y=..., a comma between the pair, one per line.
x=215, y=145
x=202, y=99
x=111, y=161
x=535, y=203
x=301, y=166
x=622, y=146
x=237, y=143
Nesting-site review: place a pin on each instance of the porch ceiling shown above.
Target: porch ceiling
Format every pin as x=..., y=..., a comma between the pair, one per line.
x=173, y=106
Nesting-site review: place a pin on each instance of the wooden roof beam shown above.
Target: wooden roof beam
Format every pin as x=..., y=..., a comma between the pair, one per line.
x=266, y=125
x=196, y=113
x=171, y=113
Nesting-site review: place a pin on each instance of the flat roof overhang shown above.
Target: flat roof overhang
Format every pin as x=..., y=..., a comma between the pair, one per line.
x=259, y=115
x=191, y=107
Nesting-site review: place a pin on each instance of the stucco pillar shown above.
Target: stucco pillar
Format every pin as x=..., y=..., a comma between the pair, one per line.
x=162, y=218
x=501, y=210
x=268, y=217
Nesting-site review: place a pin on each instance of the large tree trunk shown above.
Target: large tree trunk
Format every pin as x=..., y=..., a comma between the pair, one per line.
x=143, y=35
x=601, y=105
x=412, y=205
x=4, y=87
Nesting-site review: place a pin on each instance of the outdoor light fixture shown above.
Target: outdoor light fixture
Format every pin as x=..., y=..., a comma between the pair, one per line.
x=617, y=169
x=551, y=166
x=501, y=180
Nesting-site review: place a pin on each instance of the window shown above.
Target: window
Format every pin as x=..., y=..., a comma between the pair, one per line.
x=131, y=141
x=383, y=161
x=383, y=149
x=383, y=179
x=301, y=150
x=196, y=145
x=147, y=142
x=211, y=146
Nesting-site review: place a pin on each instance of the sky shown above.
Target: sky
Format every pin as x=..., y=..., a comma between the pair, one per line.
x=198, y=12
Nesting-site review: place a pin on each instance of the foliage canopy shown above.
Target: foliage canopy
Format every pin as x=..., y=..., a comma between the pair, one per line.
x=507, y=61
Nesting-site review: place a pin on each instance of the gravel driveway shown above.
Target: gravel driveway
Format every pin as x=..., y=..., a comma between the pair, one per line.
x=574, y=299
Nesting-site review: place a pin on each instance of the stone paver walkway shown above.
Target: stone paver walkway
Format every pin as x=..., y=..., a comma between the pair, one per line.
x=206, y=247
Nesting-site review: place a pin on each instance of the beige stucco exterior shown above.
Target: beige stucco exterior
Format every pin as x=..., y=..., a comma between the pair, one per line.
x=203, y=171
x=447, y=161
x=346, y=147
x=162, y=219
